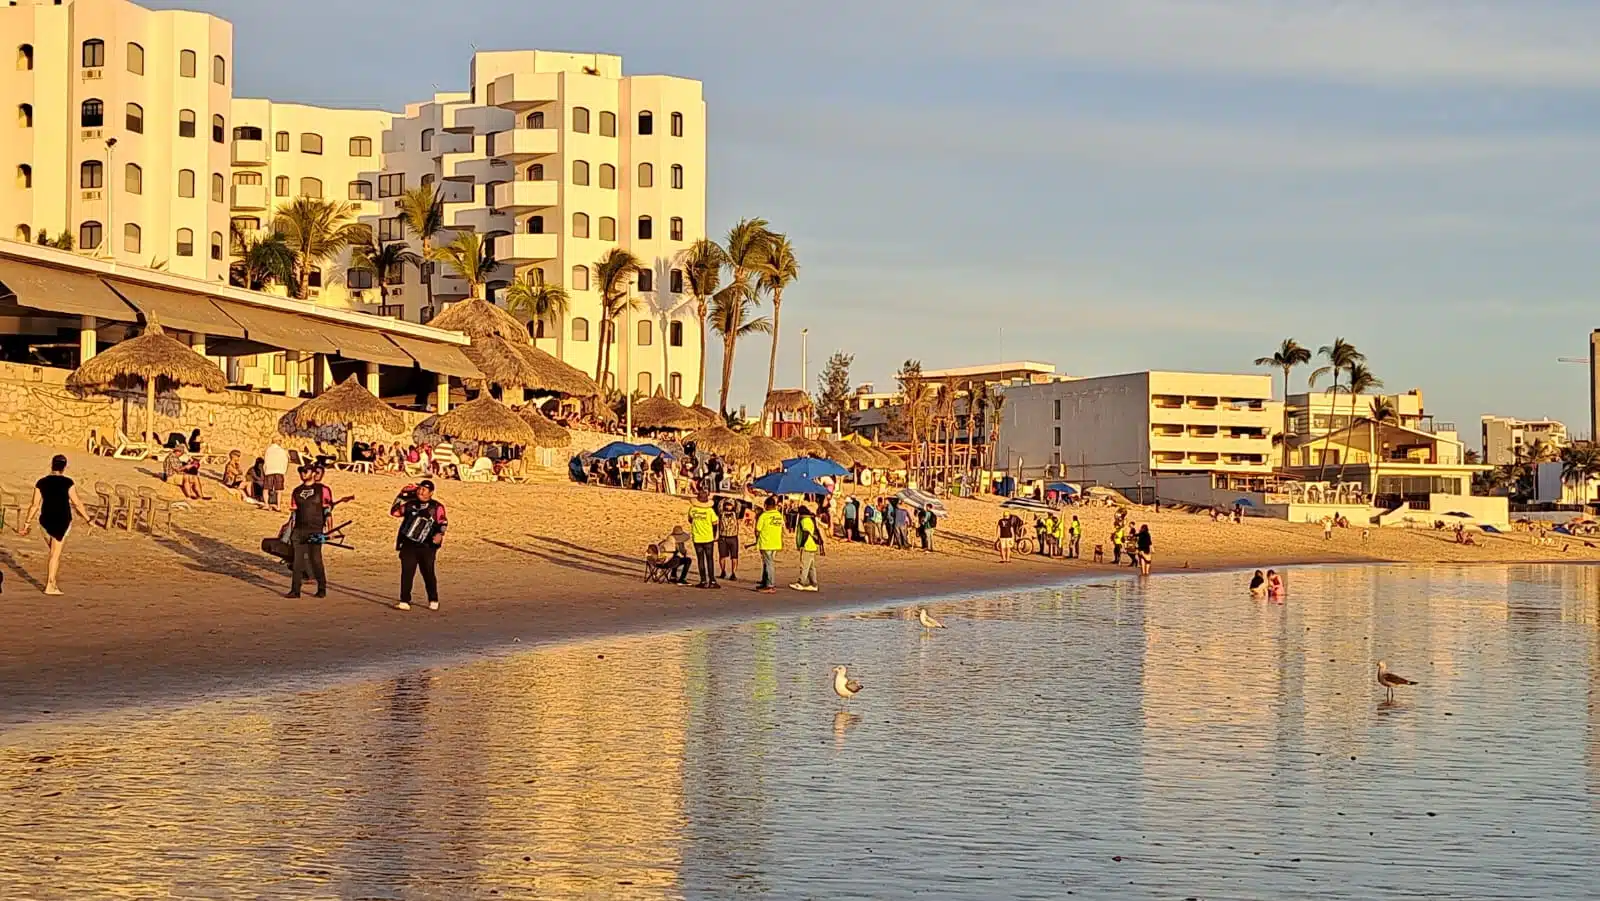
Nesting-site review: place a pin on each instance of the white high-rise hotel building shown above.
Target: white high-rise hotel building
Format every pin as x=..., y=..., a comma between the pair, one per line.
x=126, y=136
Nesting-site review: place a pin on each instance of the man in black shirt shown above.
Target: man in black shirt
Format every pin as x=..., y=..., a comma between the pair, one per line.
x=313, y=502
x=422, y=526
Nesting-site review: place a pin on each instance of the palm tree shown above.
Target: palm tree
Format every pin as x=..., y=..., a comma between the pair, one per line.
x=1340, y=355
x=63, y=241
x=778, y=270
x=746, y=248
x=471, y=259
x=613, y=275
x=537, y=301
x=702, y=274
x=1383, y=410
x=317, y=231
x=422, y=210
x=382, y=260
x=1579, y=464
x=262, y=259
x=731, y=318
x=1288, y=355
x=1359, y=380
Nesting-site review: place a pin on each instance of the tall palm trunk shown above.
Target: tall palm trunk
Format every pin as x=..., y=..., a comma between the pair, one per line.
x=1284, y=461
x=1352, y=421
x=1327, y=437
x=772, y=359
x=666, y=355
x=700, y=313
x=600, y=361
x=727, y=371
x=427, y=272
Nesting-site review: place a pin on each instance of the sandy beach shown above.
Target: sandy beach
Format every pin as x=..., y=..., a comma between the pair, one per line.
x=201, y=609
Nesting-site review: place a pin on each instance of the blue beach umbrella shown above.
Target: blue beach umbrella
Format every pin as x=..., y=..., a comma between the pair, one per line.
x=1061, y=487
x=623, y=449
x=812, y=468
x=788, y=483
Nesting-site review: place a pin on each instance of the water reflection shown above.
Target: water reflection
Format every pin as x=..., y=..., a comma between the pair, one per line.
x=1166, y=740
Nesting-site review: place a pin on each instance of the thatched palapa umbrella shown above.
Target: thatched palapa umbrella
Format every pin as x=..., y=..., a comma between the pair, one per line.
x=477, y=318
x=485, y=419
x=838, y=453
x=150, y=358
x=501, y=350
x=545, y=432
x=805, y=447
x=722, y=441
x=348, y=404
x=659, y=412
x=789, y=400
x=767, y=453
x=709, y=416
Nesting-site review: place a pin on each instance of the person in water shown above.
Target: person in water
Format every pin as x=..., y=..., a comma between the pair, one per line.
x=1274, y=584
x=54, y=502
x=1258, y=585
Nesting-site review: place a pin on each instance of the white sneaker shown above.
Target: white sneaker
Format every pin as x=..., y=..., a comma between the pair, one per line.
x=809, y=587
x=402, y=606
x=797, y=586
x=433, y=605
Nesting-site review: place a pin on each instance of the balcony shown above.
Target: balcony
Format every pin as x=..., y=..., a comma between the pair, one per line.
x=522, y=144
x=249, y=153
x=452, y=190
x=452, y=142
x=520, y=249
x=524, y=196
x=250, y=197
x=522, y=91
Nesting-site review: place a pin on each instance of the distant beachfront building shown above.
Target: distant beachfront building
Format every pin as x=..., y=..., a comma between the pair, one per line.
x=878, y=412
x=1505, y=437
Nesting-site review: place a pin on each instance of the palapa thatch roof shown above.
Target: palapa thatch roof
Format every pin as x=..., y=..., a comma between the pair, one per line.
x=477, y=318
x=349, y=403
x=767, y=453
x=152, y=355
x=891, y=460
x=485, y=419
x=510, y=363
x=789, y=400
x=711, y=417
x=722, y=441
x=805, y=447
x=838, y=453
x=661, y=412
x=545, y=432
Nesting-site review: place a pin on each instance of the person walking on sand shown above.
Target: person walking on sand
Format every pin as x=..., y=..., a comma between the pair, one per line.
x=729, y=520
x=1327, y=528
x=808, y=538
x=423, y=522
x=1007, y=539
x=275, y=463
x=703, y=530
x=1117, y=537
x=313, y=503
x=769, y=541
x=1145, y=545
x=54, y=501
x=1074, y=539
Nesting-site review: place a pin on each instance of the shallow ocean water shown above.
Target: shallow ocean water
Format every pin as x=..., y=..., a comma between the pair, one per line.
x=1110, y=739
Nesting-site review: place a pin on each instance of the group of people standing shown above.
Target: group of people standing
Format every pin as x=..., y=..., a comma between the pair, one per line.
x=1061, y=539
x=888, y=522
x=716, y=531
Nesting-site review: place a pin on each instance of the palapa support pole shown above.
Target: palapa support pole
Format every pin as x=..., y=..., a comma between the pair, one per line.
x=443, y=403
x=150, y=411
x=88, y=340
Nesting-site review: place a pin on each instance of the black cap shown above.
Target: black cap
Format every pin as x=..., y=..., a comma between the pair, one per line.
x=426, y=483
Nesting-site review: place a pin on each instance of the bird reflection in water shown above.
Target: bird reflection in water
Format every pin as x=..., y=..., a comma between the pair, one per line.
x=844, y=721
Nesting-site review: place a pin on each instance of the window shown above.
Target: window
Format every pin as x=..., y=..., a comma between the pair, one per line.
x=647, y=280
x=535, y=225
x=580, y=172
x=93, y=114
x=241, y=225
x=359, y=279
x=391, y=185
x=186, y=63
x=489, y=190
x=247, y=178
x=677, y=125
x=246, y=133
x=136, y=59
x=608, y=228
x=580, y=282
x=608, y=176
x=427, y=139
x=647, y=123
x=94, y=53
x=535, y=120
x=536, y=172
x=25, y=60
x=675, y=230
x=24, y=176
x=24, y=234
x=132, y=238
x=219, y=130
x=185, y=182
x=675, y=282
x=361, y=147
x=133, y=179
x=675, y=333
x=580, y=225
x=644, y=228
x=644, y=377
x=580, y=121
x=1058, y=409
x=314, y=278
x=580, y=329
x=647, y=175
x=427, y=180
x=675, y=385
x=608, y=125
x=219, y=70
x=185, y=242
x=311, y=142
x=280, y=186
x=311, y=187
x=24, y=115
x=280, y=142
x=391, y=229
x=677, y=176
x=216, y=245
x=89, y=235
x=1058, y=436
x=186, y=123
x=361, y=190
x=91, y=174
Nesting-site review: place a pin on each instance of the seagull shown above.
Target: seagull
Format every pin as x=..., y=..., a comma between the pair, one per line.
x=844, y=686
x=928, y=622
x=1389, y=680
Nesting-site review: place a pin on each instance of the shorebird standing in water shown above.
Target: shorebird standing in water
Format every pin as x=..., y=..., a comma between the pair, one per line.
x=844, y=686
x=1389, y=680
x=928, y=622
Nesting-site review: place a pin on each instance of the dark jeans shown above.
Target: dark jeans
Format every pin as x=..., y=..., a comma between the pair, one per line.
x=678, y=568
x=307, y=559
x=412, y=558
x=705, y=555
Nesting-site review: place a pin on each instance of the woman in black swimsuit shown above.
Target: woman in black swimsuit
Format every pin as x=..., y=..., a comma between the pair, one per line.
x=54, y=500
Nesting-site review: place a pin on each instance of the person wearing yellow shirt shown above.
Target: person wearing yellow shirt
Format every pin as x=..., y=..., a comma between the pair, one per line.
x=769, y=541
x=1075, y=538
x=808, y=538
x=703, y=531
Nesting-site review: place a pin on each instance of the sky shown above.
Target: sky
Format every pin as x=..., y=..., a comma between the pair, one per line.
x=1106, y=185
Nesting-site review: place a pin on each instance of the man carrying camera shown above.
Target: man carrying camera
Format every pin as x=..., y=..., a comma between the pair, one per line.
x=313, y=504
x=422, y=526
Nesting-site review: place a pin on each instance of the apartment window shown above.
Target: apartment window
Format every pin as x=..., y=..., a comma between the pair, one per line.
x=535, y=225
x=677, y=176
x=219, y=70
x=427, y=139
x=359, y=279
x=246, y=133
x=644, y=377
x=94, y=53
x=186, y=123
x=647, y=123
x=311, y=187
x=644, y=228
x=675, y=229
x=675, y=385
x=185, y=242
x=219, y=130
x=647, y=175
x=580, y=282
x=536, y=172
x=1058, y=409
x=608, y=228
x=91, y=174
x=677, y=125
x=133, y=179
x=580, y=225
x=1058, y=436
x=361, y=147
x=218, y=187
x=216, y=245
x=675, y=333
x=392, y=185
x=361, y=190
x=24, y=115
x=675, y=281
x=580, y=120
x=185, y=182
x=132, y=238
x=647, y=281
x=280, y=142
x=92, y=114
x=247, y=178
x=392, y=229
x=314, y=278
x=311, y=142
x=186, y=63
x=24, y=176
x=24, y=233
x=426, y=180
x=136, y=59
x=25, y=57
x=89, y=235
x=608, y=125
x=280, y=186
x=580, y=329
x=580, y=172
x=608, y=176
x=535, y=120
